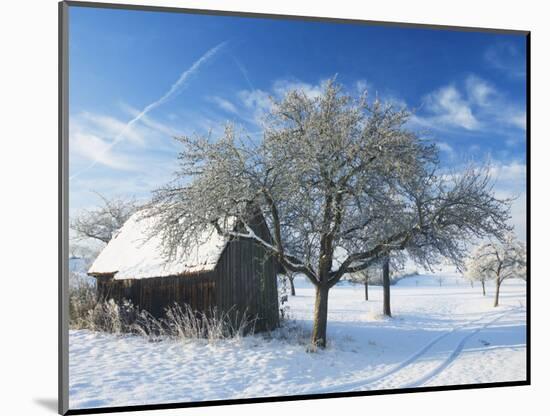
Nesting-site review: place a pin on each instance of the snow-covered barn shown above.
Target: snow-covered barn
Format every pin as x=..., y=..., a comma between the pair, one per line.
x=217, y=272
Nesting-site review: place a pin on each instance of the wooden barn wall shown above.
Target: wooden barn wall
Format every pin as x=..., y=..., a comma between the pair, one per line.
x=246, y=280
x=156, y=294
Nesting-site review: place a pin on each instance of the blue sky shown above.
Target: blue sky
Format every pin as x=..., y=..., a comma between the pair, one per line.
x=467, y=89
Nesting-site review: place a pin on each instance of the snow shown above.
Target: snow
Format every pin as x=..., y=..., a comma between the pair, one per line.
x=134, y=254
x=439, y=335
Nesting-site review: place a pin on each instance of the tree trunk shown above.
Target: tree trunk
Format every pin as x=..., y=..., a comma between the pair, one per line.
x=319, y=335
x=386, y=284
x=483, y=286
x=292, y=289
x=497, y=293
x=366, y=289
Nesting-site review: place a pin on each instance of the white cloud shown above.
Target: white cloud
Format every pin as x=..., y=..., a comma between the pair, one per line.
x=152, y=125
x=260, y=101
x=479, y=91
x=512, y=172
x=493, y=104
x=92, y=135
x=282, y=86
x=98, y=150
x=510, y=181
x=224, y=104
x=446, y=147
x=255, y=99
x=515, y=117
x=474, y=105
x=160, y=128
x=448, y=107
x=519, y=215
x=136, y=183
x=506, y=57
x=110, y=127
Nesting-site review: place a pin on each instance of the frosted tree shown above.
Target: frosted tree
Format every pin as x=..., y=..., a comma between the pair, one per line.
x=331, y=171
x=473, y=275
x=102, y=222
x=498, y=261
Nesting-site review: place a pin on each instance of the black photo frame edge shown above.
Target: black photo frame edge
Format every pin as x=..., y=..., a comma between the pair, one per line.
x=63, y=210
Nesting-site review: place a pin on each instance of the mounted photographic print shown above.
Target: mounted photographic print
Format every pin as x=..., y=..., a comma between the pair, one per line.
x=266, y=208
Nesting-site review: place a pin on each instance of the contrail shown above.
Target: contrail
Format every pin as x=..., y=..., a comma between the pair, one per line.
x=244, y=72
x=174, y=89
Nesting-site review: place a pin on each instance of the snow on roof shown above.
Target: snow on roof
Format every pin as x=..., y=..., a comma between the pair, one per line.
x=133, y=254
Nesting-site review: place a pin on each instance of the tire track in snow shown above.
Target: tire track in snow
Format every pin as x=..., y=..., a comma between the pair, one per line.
x=365, y=384
x=454, y=354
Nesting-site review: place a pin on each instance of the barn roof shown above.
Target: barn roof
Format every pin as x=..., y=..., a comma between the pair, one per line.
x=133, y=253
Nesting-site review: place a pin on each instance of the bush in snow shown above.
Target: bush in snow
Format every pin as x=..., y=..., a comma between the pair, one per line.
x=179, y=322
x=147, y=326
x=86, y=311
x=82, y=299
x=82, y=288
x=109, y=316
x=184, y=323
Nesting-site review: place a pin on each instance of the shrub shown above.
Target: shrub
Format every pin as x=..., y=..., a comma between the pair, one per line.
x=179, y=322
x=109, y=316
x=184, y=323
x=82, y=299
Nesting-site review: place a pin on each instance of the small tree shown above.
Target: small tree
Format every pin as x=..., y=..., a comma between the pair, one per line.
x=362, y=277
x=394, y=264
x=365, y=278
x=291, y=276
x=473, y=276
x=331, y=171
x=499, y=260
x=102, y=222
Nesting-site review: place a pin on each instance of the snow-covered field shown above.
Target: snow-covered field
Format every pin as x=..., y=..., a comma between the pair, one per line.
x=439, y=335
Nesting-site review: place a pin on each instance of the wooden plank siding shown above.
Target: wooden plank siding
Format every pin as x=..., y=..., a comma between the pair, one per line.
x=246, y=281
x=155, y=294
